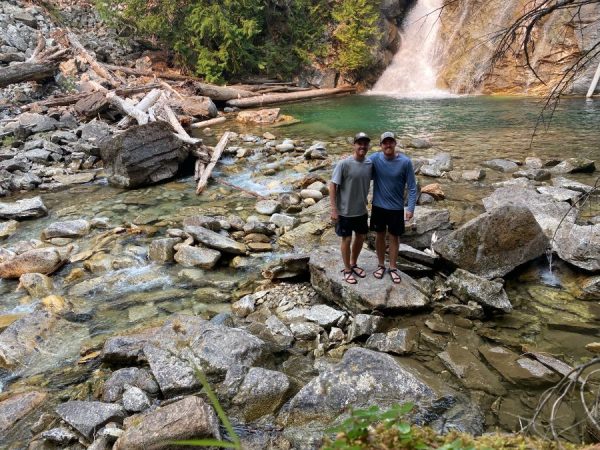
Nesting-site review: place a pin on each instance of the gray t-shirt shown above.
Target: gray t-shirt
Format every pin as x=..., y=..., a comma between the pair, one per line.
x=353, y=178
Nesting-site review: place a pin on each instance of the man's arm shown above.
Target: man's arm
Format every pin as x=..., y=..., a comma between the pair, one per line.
x=411, y=183
x=332, y=201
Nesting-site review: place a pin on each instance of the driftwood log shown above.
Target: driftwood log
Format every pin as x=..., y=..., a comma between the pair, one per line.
x=203, y=173
x=269, y=99
x=209, y=122
x=26, y=71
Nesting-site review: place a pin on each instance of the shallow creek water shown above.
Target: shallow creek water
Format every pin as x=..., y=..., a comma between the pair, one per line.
x=133, y=293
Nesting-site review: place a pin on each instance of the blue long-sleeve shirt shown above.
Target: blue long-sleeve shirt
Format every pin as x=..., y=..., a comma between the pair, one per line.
x=389, y=179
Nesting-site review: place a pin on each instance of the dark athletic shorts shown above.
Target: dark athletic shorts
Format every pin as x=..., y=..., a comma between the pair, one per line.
x=390, y=219
x=346, y=225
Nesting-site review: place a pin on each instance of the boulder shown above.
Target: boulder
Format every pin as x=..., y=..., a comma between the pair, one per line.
x=23, y=337
x=28, y=208
x=162, y=250
x=129, y=376
x=426, y=222
x=574, y=165
x=501, y=165
x=189, y=256
x=39, y=260
x=572, y=185
x=412, y=254
x=494, y=243
x=400, y=341
x=8, y=228
x=261, y=393
x=532, y=162
x=17, y=406
x=364, y=325
x=560, y=194
x=69, y=228
x=196, y=106
x=533, y=174
x=473, y=175
x=284, y=221
x=579, y=245
x=262, y=116
x=469, y=287
x=142, y=155
x=517, y=369
x=215, y=240
x=189, y=418
x=369, y=293
x=37, y=123
x=88, y=417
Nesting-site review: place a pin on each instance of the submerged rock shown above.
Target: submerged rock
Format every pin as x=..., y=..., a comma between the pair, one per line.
x=469, y=287
x=494, y=243
x=501, y=165
x=17, y=406
x=517, y=369
x=189, y=418
x=69, y=228
x=36, y=284
x=162, y=250
x=28, y=208
x=216, y=240
x=369, y=293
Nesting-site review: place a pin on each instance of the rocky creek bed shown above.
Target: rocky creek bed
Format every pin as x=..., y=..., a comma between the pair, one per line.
x=112, y=297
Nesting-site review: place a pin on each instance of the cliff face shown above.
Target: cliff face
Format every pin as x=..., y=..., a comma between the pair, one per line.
x=467, y=45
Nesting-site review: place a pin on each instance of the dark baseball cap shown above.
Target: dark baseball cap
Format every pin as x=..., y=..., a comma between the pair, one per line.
x=360, y=136
x=386, y=135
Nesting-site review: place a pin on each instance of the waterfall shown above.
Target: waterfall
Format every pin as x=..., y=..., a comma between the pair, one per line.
x=413, y=71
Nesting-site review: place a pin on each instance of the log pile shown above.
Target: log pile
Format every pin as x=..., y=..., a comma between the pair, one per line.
x=129, y=98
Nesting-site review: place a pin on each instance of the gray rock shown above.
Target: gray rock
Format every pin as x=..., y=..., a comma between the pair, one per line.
x=401, y=341
x=305, y=330
x=173, y=374
x=579, y=245
x=134, y=399
x=8, y=228
x=244, y=306
x=324, y=315
x=473, y=175
x=469, y=287
x=38, y=155
x=470, y=370
x=412, y=254
x=37, y=123
x=368, y=294
x=284, y=221
x=311, y=193
x=494, y=243
x=189, y=418
x=574, y=165
x=572, y=185
x=533, y=174
x=430, y=170
x=533, y=163
x=261, y=393
x=60, y=436
x=517, y=369
x=501, y=165
x=418, y=143
x=560, y=194
x=425, y=199
x=162, y=250
x=471, y=310
x=364, y=325
x=189, y=256
x=215, y=240
x=18, y=163
x=37, y=285
x=286, y=146
x=95, y=131
x=88, y=417
x=426, y=222
x=591, y=288
x=28, y=208
x=279, y=331
x=16, y=406
x=443, y=161
x=26, y=181
x=267, y=207
x=63, y=137
x=69, y=228
x=131, y=376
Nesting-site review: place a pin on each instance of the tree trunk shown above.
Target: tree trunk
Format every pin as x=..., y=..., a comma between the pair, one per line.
x=269, y=99
x=26, y=72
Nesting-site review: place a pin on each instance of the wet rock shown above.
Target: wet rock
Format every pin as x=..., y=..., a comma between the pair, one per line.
x=368, y=294
x=135, y=400
x=142, y=155
x=23, y=337
x=17, y=406
x=257, y=247
x=470, y=370
x=69, y=228
x=401, y=341
x=565, y=183
x=88, y=417
x=579, y=245
x=215, y=240
x=501, y=165
x=518, y=370
x=261, y=116
x=286, y=146
x=261, y=393
x=60, y=436
x=471, y=310
x=533, y=174
x=267, y=207
x=75, y=178
x=574, y=165
x=473, y=175
x=29, y=208
x=189, y=256
x=362, y=378
x=254, y=227
x=560, y=194
x=305, y=237
x=364, y=325
x=557, y=365
x=162, y=250
x=469, y=287
x=189, y=418
x=494, y=243
x=36, y=284
x=8, y=228
x=591, y=288
x=284, y=221
x=40, y=260
x=130, y=376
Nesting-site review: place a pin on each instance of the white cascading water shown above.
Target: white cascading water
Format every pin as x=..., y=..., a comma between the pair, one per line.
x=413, y=71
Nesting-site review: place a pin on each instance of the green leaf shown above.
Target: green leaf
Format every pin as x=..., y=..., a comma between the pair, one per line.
x=403, y=428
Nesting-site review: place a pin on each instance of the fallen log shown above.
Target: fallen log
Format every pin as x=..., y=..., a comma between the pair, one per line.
x=96, y=67
x=140, y=116
x=205, y=175
x=221, y=93
x=269, y=99
x=179, y=131
x=26, y=71
x=144, y=105
x=209, y=122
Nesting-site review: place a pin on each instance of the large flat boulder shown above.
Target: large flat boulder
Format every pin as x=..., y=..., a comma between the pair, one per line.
x=369, y=293
x=142, y=155
x=27, y=208
x=494, y=243
x=189, y=418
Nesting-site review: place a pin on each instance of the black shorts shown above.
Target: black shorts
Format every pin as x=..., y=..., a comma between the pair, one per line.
x=346, y=225
x=391, y=220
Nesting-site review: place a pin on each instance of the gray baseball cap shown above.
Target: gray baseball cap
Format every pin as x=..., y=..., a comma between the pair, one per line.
x=386, y=135
x=360, y=136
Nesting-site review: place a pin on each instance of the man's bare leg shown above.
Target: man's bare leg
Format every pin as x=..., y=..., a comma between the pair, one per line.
x=345, y=248
x=380, y=247
x=357, y=245
x=394, y=246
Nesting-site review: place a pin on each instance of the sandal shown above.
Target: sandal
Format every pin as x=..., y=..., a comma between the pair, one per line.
x=379, y=272
x=349, y=277
x=395, y=276
x=358, y=271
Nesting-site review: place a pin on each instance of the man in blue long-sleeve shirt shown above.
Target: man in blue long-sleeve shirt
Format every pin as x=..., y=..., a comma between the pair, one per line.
x=391, y=173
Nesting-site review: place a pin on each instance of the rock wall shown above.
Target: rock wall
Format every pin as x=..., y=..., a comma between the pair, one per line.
x=467, y=45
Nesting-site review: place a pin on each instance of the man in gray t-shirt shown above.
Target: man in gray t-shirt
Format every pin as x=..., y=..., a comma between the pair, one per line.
x=348, y=191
